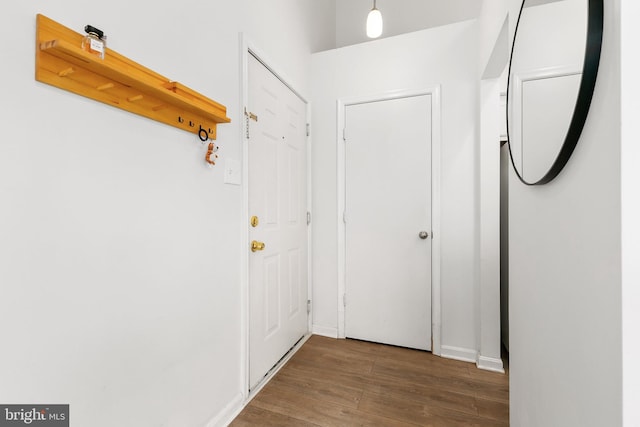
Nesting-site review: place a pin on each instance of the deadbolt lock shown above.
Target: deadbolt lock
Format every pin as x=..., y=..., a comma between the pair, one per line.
x=257, y=246
x=255, y=221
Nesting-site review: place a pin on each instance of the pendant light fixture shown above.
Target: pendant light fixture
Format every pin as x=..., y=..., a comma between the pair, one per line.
x=374, y=22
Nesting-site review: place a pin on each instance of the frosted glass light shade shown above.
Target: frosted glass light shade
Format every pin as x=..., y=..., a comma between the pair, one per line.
x=374, y=24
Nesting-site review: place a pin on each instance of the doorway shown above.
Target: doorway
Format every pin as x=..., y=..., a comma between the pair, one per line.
x=389, y=240
x=277, y=233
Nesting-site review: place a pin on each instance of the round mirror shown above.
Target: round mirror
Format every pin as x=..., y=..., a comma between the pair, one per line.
x=552, y=74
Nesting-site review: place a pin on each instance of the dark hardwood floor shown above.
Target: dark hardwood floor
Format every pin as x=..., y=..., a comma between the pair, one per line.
x=332, y=382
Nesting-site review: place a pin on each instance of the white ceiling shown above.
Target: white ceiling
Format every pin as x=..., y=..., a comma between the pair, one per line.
x=399, y=16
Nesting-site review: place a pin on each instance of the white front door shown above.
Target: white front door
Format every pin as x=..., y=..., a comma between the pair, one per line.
x=277, y=199
x=388, y=212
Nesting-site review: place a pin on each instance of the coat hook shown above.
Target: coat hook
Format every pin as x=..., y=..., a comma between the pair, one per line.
x=180, y=119
x=191, y=123
x=203, y=134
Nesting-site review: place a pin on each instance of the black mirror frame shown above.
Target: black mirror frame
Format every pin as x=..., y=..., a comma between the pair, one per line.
x=585, y=92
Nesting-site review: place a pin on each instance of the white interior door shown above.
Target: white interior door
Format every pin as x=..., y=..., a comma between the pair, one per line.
x=388, y=205
x=277, y=198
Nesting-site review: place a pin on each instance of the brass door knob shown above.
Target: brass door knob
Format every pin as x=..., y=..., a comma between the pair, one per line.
x=256, y=246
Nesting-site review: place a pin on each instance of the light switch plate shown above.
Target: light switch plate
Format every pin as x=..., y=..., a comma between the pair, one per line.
x=232, y=172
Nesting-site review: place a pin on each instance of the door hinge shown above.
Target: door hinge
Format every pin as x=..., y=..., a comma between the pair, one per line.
x=308, y=217
x=344, y=299
x=344, y=134
x=344, y=217
x=308, y=306
x=308, y=129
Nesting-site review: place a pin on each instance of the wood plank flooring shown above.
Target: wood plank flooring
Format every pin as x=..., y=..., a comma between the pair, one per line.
x=332, y=382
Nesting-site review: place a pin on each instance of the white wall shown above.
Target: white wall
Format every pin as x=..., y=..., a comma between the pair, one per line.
x=445, y=56
x=119, y=248
x=322, y=23
x=491, y=19
x=488, y=262
x=630, y=177
x=488, y=225
x=399, y=16
x=565, y=294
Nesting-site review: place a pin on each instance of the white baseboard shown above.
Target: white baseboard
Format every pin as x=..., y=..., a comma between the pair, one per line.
x=324, y=331
x=490, y=364
x=228, y=413
x=458, y=353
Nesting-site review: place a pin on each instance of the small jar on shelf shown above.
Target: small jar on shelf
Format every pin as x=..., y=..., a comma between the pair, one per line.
x=94, y=41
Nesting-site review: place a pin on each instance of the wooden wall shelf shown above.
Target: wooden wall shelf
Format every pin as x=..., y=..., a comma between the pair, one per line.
x=120, y=82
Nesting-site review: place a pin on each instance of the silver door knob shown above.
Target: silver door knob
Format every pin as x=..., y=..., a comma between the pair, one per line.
x=423, y=235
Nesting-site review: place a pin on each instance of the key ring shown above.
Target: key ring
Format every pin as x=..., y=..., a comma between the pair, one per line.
x=203, y=132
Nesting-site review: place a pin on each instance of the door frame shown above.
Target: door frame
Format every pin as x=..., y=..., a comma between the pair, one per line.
x=249, y=48
x=434, y=91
